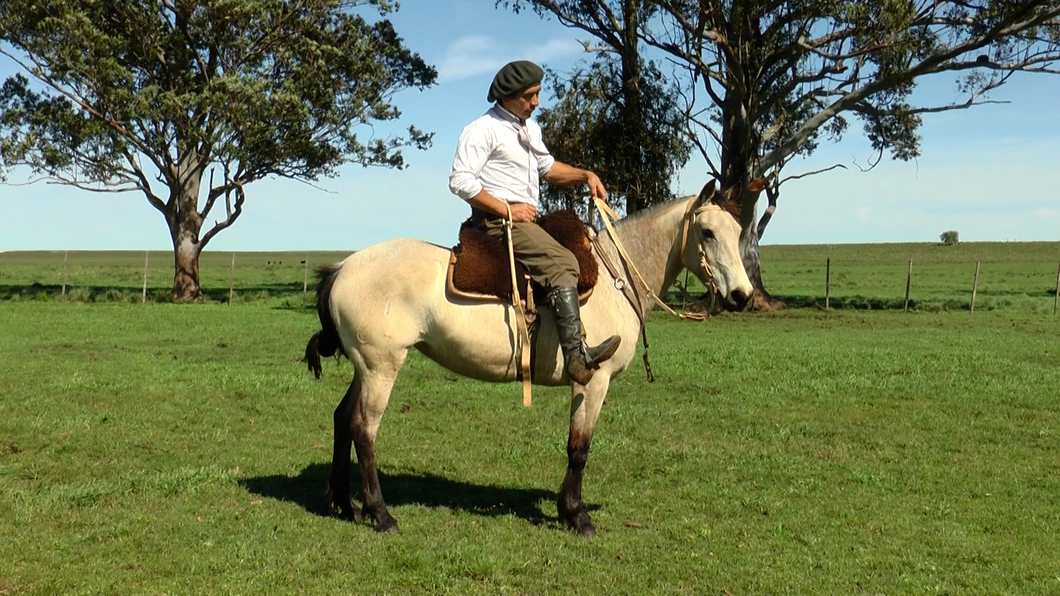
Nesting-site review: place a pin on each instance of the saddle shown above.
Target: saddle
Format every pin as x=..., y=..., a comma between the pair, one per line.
x=479, y=267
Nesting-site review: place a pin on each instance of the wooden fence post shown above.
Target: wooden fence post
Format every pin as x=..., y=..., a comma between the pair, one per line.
x=66, y=257
x=827, y=282
x=232, y=279
x=1056, y=296
x=908, y=284
x=975, y=287
x=143, y=297
x=305, y=281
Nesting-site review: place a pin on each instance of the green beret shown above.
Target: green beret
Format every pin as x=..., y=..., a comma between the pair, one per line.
x=514, y=77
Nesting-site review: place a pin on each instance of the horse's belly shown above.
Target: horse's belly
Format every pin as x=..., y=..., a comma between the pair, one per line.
x=479, y=341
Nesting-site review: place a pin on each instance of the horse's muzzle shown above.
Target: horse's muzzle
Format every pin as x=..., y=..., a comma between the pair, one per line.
x=737, y=301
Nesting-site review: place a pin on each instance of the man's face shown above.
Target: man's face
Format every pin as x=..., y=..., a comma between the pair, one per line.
x=524, y=103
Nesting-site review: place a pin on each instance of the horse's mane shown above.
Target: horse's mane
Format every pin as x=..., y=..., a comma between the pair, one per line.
x=731, y=207
x=649, y=212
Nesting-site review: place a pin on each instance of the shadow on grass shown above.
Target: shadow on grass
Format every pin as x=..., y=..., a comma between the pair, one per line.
x=307, y=490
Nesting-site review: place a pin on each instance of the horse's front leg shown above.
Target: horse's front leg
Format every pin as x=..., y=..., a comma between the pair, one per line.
x=585, y=409
x=338, y=492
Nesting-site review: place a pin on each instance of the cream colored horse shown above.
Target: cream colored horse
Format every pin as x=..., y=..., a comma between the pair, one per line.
x=390, y=297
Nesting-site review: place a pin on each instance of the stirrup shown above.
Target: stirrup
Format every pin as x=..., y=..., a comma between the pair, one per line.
x=604, y=352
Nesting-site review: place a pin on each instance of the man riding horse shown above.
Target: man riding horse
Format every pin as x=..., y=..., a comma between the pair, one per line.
x=499, y=161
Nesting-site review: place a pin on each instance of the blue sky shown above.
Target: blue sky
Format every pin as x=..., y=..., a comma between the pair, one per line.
x=989, y=172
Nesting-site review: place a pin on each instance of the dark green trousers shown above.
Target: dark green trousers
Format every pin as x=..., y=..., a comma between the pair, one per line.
x=548, y=263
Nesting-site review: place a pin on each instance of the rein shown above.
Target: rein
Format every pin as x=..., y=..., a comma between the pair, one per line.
x=606, y=215
x=520, y=317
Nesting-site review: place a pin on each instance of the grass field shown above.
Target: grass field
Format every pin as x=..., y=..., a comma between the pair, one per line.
x=1019, y=276
x=168, y=448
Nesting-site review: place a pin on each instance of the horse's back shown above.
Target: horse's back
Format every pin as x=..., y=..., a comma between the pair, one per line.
x=379, y=291
x=393, y=265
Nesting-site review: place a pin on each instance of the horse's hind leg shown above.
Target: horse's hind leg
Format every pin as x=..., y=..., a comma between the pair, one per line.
x=585, y=410
x=338, y=493
x=366, y=418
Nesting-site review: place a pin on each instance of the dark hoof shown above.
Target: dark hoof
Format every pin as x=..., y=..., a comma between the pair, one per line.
x=388, y=526
x=582, y=525
x=587, y=530
x=350, y=513
x=345, y=506
x=578, y=521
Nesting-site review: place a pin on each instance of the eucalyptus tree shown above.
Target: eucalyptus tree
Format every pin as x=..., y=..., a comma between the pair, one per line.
x=589, y=126
x=621, y=106
x=768, y=81
x=159, y=96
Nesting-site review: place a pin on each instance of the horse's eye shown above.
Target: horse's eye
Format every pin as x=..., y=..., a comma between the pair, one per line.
x=708, y=234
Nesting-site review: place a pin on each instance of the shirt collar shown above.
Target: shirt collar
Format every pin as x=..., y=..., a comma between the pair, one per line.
x=504, y=114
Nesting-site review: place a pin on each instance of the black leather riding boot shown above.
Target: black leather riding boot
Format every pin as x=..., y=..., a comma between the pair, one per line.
x=579, y=359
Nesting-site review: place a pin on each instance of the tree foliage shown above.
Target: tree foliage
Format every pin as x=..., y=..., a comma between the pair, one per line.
x=780, y=78
x=767, y=81
x=586, y=127
x=138, y=96
x=630, y=106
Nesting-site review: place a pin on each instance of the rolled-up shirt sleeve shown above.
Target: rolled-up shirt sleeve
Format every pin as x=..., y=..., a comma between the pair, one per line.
x=472, y=151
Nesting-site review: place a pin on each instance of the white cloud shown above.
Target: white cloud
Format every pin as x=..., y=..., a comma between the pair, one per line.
x=474, y=55
x=469, y=56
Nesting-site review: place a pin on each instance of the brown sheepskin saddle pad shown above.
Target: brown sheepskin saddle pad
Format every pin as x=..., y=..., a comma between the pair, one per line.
x=479, y=267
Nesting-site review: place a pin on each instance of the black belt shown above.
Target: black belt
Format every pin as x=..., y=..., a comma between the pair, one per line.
x=480, y=217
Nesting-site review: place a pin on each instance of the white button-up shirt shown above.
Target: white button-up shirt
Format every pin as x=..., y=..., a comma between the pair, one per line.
x=491, y=156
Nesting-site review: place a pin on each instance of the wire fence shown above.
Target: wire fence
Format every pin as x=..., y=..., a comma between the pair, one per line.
x=233, y=277
x=147, y=276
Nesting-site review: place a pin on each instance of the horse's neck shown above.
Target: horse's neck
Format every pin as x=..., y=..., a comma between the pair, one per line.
x=650, y=240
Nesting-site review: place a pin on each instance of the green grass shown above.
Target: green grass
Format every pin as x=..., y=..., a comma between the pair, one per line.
x=184, y=449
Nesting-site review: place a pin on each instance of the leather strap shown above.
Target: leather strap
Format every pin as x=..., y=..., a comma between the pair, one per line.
x=606, y=212
x=523, y=347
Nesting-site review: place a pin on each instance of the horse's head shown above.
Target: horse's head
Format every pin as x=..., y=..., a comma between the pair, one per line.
x=712, y=247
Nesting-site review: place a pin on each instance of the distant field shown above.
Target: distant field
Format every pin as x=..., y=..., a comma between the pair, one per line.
x=1013, y=276
x=93, y=276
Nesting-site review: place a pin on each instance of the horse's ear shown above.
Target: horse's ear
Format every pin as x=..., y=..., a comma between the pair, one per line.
x=707, y=194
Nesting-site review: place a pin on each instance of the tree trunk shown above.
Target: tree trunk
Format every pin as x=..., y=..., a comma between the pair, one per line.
x=632, y=117
x=186, y=252
x=762, y=300
x=739, y=152
x=185, y=224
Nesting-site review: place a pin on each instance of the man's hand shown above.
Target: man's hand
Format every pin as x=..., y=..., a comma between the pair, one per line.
x=596, y=187
x=561, y=174
x=523, y=212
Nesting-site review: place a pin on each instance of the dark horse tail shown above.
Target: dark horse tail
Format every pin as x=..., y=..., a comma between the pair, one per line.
x=326, y=341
